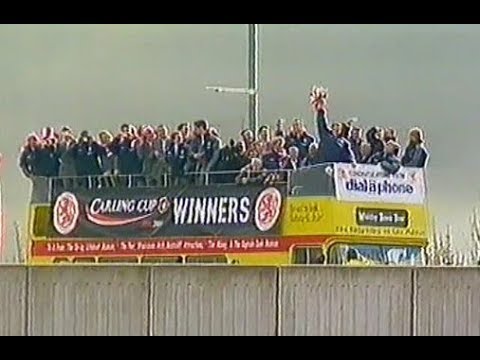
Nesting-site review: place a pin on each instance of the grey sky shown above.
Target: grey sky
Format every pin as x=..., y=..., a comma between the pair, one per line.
x=99, y=76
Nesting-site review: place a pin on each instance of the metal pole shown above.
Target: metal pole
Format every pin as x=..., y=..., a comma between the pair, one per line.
x=253, y=64
x=18, y=242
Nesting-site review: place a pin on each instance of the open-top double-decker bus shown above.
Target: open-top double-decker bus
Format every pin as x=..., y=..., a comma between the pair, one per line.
x=330, y=213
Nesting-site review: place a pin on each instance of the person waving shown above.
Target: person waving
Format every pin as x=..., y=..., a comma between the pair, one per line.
x=334, y=143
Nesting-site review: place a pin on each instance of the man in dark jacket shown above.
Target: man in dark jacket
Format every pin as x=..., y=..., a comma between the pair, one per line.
x=356, y=142
x=186, y=133
x=240, y=158
x=87, y=154
x=273, y=159
x=226, y=163
x=39, y=158
x=108, y=159
x=176, y=157
x=52, y=157
x=65, y=150
x=375, y=140
x=300, y=138
x=335, y=148
x=129, y=165
x=204, y=151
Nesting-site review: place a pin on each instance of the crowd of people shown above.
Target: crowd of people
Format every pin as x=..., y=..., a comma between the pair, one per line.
x=156, y=156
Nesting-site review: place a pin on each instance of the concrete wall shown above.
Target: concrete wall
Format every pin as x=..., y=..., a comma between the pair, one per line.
x=448, y=302
x=348, y=301
x=214, y=301
x=132, y=300
x=94, y=301
x=13, y=300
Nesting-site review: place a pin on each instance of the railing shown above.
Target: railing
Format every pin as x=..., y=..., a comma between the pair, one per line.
x=317, y=180
x=109, y=181
x=43, y=189
x=166, y=180
x=229, y=177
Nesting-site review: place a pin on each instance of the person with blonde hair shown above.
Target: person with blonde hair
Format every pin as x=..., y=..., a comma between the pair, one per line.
x=416, y=155
x=252, y=173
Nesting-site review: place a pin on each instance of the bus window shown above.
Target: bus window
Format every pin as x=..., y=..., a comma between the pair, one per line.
x=335, y=256
x=343, y=254
x=61, y=261
x=84, y=261
x=162, y=260
x=308, y=256
x=119, y=260
x=207, y=260
x=359, y=255
x=299, y=256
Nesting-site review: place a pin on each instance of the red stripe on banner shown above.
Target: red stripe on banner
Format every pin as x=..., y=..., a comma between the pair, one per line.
x=109, y=221
x=201, y=246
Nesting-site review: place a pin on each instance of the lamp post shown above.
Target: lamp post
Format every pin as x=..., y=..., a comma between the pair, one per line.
x=253, y=65
x=252, y=89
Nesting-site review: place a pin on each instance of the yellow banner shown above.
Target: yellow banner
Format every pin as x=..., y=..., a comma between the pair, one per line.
x=313, y=216
x=308, y=216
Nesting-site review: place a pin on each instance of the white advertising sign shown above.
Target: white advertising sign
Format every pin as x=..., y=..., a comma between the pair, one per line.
x=369, y=183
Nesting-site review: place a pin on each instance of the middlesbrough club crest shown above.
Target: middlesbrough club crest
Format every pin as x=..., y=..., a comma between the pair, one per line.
x=267, y=209
x=66, y=213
